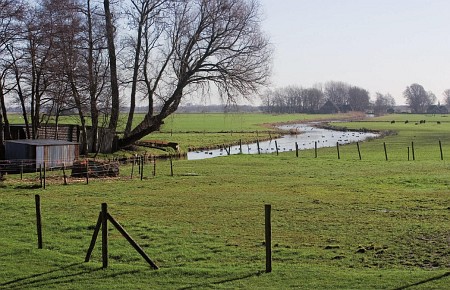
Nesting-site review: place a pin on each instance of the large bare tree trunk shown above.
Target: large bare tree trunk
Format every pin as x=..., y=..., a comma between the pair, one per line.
x=92, y=83
x=113, y=121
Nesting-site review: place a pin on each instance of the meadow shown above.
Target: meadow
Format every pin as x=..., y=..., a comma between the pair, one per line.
x=336, y=223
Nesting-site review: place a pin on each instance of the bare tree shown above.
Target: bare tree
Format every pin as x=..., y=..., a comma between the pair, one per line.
x=199, y=44
x=383, y=103
x=447, y=98
x=12, y=12
x=337, y=92
x=417, y=98
x=358, y=99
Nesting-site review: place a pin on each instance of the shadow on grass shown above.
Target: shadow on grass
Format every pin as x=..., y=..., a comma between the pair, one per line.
x=424, y=281
x=224, y=281
x=45, y=279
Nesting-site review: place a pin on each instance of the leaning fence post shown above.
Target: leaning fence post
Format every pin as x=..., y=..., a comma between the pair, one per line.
x=257, y=144
x=37, y=199
x=385, y=151
x=268, y=236
x=359, y=151
x=105, y=235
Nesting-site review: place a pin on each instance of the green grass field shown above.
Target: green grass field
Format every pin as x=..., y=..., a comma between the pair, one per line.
x=336, y=224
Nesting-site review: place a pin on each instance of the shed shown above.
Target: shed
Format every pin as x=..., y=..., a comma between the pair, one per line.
x=54, y=153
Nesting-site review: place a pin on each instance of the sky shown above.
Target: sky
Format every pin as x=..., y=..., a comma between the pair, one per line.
x=379, y=45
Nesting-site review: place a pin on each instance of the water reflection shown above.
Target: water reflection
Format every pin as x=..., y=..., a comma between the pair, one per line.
x=306, y=140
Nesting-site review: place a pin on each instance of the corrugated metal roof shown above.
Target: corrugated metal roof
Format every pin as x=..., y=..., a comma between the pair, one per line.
x=41, y=142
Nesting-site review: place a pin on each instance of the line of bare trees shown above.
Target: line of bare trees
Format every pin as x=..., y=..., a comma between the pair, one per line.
x=295, y=99
x=92, y=56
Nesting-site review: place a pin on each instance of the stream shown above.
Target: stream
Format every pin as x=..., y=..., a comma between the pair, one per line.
x=306, y=139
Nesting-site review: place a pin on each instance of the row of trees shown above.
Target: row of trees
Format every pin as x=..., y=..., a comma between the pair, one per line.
x=295, y=99
x=92, y=55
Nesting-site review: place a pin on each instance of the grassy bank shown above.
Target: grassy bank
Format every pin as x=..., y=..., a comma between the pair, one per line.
x=347, y=223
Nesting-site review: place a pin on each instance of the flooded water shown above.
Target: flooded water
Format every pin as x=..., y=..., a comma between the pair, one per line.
x=307, y=139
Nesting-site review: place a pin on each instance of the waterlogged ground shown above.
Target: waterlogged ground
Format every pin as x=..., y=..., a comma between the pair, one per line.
x=308, y=138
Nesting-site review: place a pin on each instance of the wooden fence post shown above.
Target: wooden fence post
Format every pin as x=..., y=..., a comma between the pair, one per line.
x=87, y=171
x=38, y=220
x=94, y=237
x=40, y=174
x=105, y=235
x=171, y=166
x=338, y=153
x=440, y=148
x=64, y=174
x=268, y=236
x=385, y=151
x=45, y=175
x=296, y=149
x=359, y=151
x=413, y=153
x=257, y=144
x=276, y=146
x=141, y=165
x=408, y=153
x=240, y=146
x=315, y=149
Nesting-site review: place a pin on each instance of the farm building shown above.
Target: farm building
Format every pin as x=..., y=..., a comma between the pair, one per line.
x=54, y=153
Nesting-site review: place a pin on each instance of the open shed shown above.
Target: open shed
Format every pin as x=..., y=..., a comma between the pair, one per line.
x=55, y=153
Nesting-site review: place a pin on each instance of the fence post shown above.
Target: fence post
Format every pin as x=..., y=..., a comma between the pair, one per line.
x=315, y=149
x=385, y=151
x=257, y=144
x=142, y=167
x=440, y=148
x=87, y=171
x=40, y=174
x=21, y=169
x=338, y=153
x=37, y=199
x=268, y=236
x=171, y=166
x=413, y=153
x=296, y=149
x=45, y=175
x=408, y=153
x=359, y=151
x=276, y=146
x=240, y=146
x=154, y=165
x=105, y=235
x=64, y=173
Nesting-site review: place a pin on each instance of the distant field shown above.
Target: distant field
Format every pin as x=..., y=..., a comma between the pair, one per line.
x=336, y=224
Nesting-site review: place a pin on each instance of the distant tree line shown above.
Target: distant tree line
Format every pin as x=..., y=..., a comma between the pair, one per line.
x=295, y=99
x=346, y=97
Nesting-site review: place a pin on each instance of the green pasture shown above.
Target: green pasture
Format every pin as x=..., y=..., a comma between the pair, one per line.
x=336, y=223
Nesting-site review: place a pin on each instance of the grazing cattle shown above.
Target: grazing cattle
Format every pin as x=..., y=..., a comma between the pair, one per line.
x=392, y=122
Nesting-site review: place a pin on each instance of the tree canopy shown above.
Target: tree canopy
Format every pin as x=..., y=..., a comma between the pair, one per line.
x=94, y=56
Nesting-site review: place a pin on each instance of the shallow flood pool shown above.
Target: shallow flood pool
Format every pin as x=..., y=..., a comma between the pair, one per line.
x=307, y=139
